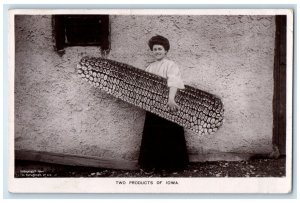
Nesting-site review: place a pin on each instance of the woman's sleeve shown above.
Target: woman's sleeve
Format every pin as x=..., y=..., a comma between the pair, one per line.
x=174, y=76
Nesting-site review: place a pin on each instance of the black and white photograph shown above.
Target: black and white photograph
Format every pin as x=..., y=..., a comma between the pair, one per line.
x=151, y=101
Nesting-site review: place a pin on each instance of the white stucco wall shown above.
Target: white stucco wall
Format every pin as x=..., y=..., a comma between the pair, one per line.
x=229, y=56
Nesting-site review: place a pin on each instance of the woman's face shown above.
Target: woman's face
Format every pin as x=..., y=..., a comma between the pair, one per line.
x=159, y=52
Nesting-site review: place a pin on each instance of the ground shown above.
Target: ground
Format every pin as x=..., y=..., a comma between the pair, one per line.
x=260, y=167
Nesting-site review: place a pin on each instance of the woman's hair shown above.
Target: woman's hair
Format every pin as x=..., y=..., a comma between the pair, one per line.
x=159, y=40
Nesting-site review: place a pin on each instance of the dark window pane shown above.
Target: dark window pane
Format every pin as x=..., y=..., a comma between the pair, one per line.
x=83, y=30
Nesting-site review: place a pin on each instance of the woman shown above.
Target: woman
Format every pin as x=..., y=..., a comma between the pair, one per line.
x=163, y=146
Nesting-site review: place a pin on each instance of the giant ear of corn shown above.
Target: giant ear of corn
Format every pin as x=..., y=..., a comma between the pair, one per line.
x=199, y=111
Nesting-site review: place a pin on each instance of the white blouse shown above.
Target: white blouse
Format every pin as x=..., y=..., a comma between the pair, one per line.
x=167, y=69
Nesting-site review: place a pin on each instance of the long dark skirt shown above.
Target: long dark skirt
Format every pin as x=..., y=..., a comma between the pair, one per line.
x=163, y=145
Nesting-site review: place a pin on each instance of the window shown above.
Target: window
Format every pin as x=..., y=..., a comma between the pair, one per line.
x=81, y=30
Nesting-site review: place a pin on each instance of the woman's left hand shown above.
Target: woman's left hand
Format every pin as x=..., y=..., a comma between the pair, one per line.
x=173, y=106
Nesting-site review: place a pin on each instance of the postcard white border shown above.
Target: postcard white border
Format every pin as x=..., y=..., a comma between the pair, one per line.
x=185, y=185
